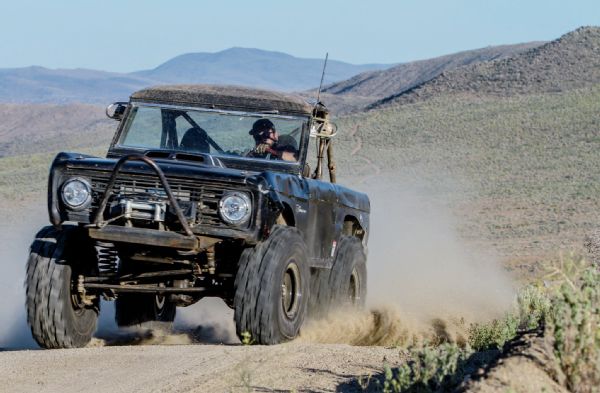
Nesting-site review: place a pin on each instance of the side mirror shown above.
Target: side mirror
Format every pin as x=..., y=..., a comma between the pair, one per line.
x=116, y=111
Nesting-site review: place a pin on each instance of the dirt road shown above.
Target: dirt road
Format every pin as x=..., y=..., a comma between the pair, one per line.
x=192, y=368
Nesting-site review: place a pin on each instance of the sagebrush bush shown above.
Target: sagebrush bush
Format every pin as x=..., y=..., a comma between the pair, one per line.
x=493, y=334
x=430, y=368
x=442, y=367
x=573, y=328
x=531, y=306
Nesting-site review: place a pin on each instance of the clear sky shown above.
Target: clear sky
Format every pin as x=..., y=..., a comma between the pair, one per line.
x=122, y=35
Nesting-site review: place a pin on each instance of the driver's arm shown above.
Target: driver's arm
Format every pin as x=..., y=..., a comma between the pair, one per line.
x=288, y=156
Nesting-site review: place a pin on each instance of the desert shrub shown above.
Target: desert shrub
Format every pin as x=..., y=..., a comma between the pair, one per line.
x=493, y=334
x=444, y=366
x=533, y=304
x=430, y=368
x=568, y=310
x=573, y=328
x=530, y=309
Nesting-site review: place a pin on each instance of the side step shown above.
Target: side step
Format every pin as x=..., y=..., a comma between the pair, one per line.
x=150, y=237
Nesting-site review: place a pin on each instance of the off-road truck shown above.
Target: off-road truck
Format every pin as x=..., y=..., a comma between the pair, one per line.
x=181, y=208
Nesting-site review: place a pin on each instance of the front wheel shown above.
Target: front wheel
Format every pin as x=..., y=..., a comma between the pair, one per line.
x=272, y=288
x=59, y=317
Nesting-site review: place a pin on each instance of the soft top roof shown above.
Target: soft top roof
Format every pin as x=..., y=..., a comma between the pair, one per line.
x=225, y=97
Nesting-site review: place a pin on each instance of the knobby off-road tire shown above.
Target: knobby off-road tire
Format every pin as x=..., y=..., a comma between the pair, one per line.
x=143, y=310
x=320, y=294
x=56, y=316
x=348, y=277
x=272, y=288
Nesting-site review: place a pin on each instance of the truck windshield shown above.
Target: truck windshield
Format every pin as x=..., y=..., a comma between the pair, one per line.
x=214, y=132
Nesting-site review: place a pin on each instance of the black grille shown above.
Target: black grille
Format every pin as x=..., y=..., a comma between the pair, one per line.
x=145, y=188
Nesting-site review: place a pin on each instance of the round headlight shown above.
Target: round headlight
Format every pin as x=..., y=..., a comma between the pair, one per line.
x=77, y=193
x=235, y=208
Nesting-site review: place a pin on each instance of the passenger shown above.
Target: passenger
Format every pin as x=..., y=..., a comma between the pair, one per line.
x=195, y=139
x=268, y=143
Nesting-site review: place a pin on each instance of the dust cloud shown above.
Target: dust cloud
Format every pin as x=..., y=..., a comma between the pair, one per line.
x=424, y=281
x=17, y=230
x=209, y=321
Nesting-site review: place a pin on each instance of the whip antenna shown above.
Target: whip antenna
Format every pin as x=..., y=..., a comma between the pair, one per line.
x=323, y=130
x=322, y=77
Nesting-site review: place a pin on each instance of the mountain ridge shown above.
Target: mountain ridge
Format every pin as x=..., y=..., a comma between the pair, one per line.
x=364, y=90
x=415, y=72
x=566, y=63
x=252, y=67
x=272, y=70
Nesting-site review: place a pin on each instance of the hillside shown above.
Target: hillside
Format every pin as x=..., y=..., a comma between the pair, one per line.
x=519, y=173
x=570, y=62
x=235, y=66
x=394, y=80
x=33, y=129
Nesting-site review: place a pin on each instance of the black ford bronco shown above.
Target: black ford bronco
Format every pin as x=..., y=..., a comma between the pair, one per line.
x=205, y=191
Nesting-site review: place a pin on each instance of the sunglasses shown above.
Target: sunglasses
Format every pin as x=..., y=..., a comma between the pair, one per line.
x=268, y=131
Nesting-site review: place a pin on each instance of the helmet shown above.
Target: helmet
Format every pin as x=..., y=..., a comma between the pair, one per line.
x=260, y=129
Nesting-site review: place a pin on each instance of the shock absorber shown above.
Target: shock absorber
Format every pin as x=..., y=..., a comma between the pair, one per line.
x=210, y=259
x=108, y=258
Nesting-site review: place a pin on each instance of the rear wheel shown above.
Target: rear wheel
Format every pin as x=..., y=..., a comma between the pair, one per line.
x=59, y=316
x=146, y=311
x=348, y=277
x=143, y=310
x=272, y=288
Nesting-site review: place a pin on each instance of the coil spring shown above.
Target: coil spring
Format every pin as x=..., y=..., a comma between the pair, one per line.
x=108, y=258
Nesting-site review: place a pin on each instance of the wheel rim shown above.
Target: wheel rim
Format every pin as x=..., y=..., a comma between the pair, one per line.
x=159, y=302
x=290, y=290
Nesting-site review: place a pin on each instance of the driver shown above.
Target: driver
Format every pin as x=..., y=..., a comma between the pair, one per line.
x=268, y=143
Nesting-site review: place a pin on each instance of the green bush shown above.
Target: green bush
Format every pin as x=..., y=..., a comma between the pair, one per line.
x=531, y=307
x=573, y=328
x=444, y=366
x=493, y=334
x=430, y=368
